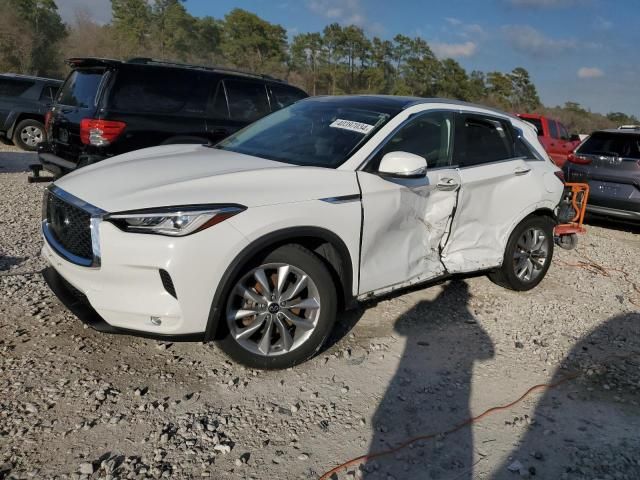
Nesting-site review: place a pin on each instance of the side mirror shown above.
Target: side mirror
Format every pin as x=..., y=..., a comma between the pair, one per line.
x=403, y=165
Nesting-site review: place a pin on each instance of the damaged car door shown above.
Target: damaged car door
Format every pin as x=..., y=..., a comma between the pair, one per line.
x=497, y=185
x=406, y=219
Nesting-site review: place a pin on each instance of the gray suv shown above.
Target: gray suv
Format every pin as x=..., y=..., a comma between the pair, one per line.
x=609, y=161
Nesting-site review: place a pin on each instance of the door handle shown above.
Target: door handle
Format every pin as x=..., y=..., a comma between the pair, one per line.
x=447, y=184
x=521, y=171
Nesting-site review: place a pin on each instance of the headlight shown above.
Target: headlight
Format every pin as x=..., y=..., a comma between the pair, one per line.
x=173, y=221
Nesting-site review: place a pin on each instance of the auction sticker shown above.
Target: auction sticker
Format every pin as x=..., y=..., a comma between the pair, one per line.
x=363, y=128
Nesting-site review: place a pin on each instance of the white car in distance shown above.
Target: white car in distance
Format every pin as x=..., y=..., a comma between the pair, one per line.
x=259, y=240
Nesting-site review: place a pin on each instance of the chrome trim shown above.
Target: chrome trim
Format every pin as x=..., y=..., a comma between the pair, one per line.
x=342, y=199
x=96, y=217
x=612, y=212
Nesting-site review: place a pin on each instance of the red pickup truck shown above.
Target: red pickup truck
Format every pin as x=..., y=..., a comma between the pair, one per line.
x=553, y=136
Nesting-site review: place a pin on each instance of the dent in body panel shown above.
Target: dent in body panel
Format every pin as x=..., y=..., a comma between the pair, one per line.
x=404, y=224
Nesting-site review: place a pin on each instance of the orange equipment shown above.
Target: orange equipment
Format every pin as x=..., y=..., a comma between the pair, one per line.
x=571, y=214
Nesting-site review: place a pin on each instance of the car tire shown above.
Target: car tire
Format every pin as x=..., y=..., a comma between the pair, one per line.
x=28, y=134
x=527, y=256
x=296, y=334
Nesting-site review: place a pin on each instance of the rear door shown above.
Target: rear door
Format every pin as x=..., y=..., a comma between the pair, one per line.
x=77, y=99
x=555, y=143
x=406, y=220
x=496, y=186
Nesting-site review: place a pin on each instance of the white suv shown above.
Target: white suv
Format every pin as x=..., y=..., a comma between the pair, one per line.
x=259, y=240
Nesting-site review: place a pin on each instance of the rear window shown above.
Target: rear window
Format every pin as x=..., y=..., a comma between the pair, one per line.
x=553, y=128
x=612, y=144
x=161, y=90
x=81, y=88
x=247, y=100
x=10, y=87
x=481, y=140
x=284, y=96
x=48, y=93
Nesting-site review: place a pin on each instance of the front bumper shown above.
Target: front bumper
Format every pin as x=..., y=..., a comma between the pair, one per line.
x=127, y=291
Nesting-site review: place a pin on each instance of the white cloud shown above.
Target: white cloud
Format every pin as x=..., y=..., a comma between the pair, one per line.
x=545, y=3
x=590, y=72
x=530, y=41
x=454, y=50
x=348, y=12
x=465, y=30
x=98, y=10
x=603, y=24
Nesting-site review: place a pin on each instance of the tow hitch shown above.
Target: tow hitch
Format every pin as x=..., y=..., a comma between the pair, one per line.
x=571, y=212
x=35, y=177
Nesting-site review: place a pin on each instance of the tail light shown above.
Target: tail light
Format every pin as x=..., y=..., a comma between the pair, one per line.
x=578, y=159
x=100, y=132
x=47, y=120
x=560, y=175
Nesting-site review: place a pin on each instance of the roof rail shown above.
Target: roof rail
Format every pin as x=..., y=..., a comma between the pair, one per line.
x=30, y=77
x=151, y=61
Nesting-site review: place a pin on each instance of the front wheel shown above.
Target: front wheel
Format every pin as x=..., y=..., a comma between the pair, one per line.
x=527, y=256
x=280, y=310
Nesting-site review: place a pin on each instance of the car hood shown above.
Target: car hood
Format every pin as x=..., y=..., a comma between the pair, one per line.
x=196, y=174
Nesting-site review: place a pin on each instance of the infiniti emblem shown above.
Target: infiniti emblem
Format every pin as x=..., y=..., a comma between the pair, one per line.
x=274, y=308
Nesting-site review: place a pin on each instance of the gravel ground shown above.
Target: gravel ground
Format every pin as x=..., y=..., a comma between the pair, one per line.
x=75, y=403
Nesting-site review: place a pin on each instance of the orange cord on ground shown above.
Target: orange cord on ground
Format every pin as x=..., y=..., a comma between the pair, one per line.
x=587, y=265
x=469, y=421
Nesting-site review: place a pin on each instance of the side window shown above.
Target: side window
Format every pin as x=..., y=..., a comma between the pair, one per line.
x=247, y=100
x=283, y=96
x=160, y=90
x=480, y=139
x=564, y=134
x=218, y=107
x=12, y=88
x=48, y=93
x=429, y=136
x=553, y=128
x=522, y=150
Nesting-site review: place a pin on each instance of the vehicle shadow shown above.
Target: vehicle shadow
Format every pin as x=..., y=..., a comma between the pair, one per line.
x=430, y=391
x=16, y=162
x=587, y=427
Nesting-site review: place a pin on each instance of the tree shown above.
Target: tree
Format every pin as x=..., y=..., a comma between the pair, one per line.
x=524, y=96
x=454, y=82
x=132, y=23
x=307, y=55
x=174, y=30
x=30, y=33
x=251, y=42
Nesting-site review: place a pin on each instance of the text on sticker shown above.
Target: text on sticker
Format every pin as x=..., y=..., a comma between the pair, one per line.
x=351, y=125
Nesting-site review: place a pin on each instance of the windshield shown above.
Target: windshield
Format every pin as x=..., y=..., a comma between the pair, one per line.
x=80, y=88
x=624, y=145
x=321, y=134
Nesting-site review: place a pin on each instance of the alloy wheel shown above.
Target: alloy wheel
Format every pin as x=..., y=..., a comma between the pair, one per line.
x=273, y=309
x=531, y=254
x=31, y=135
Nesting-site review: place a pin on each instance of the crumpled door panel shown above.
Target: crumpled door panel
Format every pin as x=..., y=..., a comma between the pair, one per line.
x=404, y=222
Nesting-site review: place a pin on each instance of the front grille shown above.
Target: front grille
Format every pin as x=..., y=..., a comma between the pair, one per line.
x=70, y=226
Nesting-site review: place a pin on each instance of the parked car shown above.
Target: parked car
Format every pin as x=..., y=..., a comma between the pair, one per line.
x=553, y=136
x=109, y=107
x=24, y=101
x=609, y=161
x=260, y=239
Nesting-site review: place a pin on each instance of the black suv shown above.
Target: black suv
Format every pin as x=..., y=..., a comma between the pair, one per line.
x=24, y=101
x=110, y=107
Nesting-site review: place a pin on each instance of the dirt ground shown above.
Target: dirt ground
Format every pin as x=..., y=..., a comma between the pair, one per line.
x=75, y=403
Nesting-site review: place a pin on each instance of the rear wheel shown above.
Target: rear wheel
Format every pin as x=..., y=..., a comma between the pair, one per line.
x=528, y=255
x=28, y=134
x=280, y=310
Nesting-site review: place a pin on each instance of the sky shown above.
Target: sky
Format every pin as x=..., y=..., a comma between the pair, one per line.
x=585, y=51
